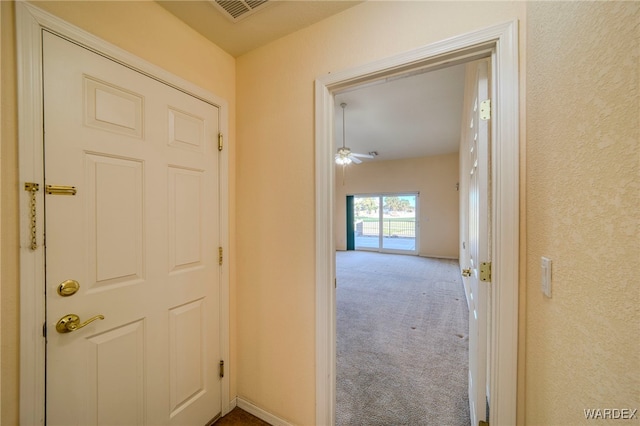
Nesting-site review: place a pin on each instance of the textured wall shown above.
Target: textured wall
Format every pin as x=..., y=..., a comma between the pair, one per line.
x=583, y=199
x=434, y=178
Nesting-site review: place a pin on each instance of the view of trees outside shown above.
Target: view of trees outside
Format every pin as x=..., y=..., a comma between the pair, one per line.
x=398, y=216
x=368, y=206
x=398, y=205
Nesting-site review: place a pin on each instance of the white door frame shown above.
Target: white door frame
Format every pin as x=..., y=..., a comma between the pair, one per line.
x=30, y=22
x=500, y=42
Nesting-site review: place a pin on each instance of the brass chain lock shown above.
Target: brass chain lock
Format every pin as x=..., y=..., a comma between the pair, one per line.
x=32, y=188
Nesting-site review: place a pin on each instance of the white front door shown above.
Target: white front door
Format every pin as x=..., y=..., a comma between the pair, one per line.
x=139, y=236
x=478, y=154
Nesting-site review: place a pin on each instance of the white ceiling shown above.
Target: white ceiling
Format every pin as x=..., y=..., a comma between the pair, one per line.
x=400, y=117
x=415, y=116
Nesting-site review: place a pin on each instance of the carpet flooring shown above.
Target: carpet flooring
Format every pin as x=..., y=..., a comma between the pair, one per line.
x=402, y=341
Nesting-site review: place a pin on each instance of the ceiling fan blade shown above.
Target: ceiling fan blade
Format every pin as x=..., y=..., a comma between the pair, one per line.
x=355, y=154
x=354, y=159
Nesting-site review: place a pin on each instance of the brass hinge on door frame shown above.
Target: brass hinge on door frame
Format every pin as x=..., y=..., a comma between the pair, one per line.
x=220, y=256
x=220, y=141
x=483, y=423
x=485, y=271
x=221, y=369
x=485, y=109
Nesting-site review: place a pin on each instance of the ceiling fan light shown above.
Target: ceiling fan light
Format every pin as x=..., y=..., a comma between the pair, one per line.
x=342, y=160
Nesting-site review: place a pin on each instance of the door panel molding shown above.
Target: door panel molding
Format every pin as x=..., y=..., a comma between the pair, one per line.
x=30, y=23
x=500, y=43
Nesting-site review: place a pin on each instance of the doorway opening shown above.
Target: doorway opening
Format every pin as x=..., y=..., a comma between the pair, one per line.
x=499, y=43
x=393, y=293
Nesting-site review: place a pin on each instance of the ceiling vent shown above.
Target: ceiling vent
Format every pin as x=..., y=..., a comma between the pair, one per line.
x=237, y=10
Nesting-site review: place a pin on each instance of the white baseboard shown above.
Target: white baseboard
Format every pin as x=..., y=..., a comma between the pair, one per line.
x=260, y=413
x=432, y=256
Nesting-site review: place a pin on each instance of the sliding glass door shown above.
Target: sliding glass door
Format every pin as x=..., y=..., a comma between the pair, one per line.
x=366, y=222
x=386, y=222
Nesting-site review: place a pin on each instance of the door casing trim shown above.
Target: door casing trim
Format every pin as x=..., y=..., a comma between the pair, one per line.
x=500, y=42
x=30, y=22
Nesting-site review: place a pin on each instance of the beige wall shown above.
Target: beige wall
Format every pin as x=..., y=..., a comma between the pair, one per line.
x=275, y=172
x=434, y=178
x=9, y=362
x=1, y=127
x=150, y=32
x=583, y=199
x=3, y=13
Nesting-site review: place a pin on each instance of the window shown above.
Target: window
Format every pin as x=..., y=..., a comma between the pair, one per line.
x=386, y=222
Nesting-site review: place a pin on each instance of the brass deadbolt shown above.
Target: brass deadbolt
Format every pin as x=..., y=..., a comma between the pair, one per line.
x=68, y=288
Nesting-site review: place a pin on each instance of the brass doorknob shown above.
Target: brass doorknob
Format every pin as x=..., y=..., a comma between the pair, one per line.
x=71, y=322
x=466, y=272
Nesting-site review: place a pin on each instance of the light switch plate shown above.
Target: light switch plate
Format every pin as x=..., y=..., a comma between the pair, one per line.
x=546, y=276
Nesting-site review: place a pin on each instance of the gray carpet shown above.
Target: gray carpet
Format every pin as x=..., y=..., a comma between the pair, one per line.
x=402, y=344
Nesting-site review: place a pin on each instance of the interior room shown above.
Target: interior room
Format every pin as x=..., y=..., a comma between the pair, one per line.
x=257, y=93
x=412, y=123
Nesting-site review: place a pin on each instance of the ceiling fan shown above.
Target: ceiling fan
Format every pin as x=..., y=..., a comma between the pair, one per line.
x=344, y=155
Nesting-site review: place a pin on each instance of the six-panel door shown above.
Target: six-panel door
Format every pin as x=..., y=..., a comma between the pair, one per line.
x=141, y=238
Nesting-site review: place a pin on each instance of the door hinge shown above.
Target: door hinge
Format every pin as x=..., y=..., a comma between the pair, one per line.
x=485, y=109
x=483, y=423
x=485, y=271
x=220, y=257
x=220, y=141
x=221, y=368
x=44, y=329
